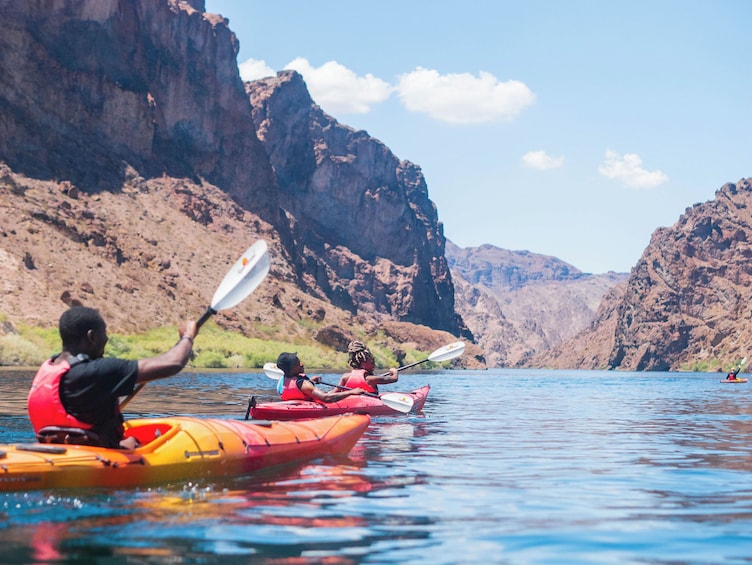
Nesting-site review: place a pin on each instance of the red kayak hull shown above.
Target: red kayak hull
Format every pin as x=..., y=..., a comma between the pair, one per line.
x=303, y=409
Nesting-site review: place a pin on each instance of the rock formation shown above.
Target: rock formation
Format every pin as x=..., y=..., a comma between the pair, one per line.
x=518, y=304
x=686, y=303
x=108, y=98
x=361, y=223
x=89, y=88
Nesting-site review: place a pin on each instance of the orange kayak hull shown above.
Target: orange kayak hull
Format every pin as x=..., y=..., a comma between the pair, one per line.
x=178, y=449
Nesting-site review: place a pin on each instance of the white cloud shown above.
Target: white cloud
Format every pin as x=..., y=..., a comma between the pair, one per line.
x=628, y=169
x=462, y=98
x=453, y=98
x=541, y=160
x=338, y=90
x=253, y=70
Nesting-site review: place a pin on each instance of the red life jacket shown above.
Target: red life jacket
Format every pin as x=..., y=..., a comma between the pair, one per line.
x=357, y=379
x=44, y=404
x=290, y=390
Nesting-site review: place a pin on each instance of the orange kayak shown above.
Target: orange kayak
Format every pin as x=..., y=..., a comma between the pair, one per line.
x=734, y=381
x=178, y=449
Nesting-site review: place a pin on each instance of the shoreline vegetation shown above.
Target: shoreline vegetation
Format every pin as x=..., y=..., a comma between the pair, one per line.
x=218, y=349
x=215, y=348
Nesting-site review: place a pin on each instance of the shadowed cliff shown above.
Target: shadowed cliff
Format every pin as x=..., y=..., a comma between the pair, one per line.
x=118, y=102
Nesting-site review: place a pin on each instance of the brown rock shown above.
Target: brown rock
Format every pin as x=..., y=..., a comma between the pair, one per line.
x=686, y=301
x=519, y=304
x=364, y=233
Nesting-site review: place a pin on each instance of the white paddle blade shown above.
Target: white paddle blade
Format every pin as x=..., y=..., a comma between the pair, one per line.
x=398, y=401
x=448, y=352
x=272, y=371
x=243, y=278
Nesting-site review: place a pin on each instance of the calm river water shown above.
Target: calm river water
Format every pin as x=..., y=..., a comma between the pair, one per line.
x=504, y=466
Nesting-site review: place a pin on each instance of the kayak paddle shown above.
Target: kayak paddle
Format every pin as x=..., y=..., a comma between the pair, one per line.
x=395, y=400
x=441, y=354
x=739, y=368
x=240, y=281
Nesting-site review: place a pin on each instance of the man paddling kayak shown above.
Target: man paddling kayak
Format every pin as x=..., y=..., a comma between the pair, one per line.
x=297, y=385
x=80, y=390
x=362, y=362
x=732, y=376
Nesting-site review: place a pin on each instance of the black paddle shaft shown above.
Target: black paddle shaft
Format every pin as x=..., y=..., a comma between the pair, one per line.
x=366, y=393
x=406, y=366
x=208, y=314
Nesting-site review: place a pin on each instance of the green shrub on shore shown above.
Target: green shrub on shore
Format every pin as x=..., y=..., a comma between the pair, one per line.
x=16, y=350
x=214, y=348
x=713, y=366
x=29, y=347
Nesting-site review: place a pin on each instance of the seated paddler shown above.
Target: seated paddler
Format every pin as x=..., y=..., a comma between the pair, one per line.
x=362, y=364
x=79, y=389
x=296, y=385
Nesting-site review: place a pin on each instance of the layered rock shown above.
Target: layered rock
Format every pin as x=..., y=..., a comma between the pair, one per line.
x=363, y=229
x=686, y=303
x=519, y=304
x=89, y=88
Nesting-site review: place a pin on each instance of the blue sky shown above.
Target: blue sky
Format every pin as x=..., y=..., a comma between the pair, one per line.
x=572, y=129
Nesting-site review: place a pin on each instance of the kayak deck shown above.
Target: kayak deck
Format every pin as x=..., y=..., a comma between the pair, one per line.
x=304, y=409
x=176, y=449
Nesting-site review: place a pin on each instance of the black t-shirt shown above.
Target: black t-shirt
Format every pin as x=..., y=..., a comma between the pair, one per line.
x=91, y=392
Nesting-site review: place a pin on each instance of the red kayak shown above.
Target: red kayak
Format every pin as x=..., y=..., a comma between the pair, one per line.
x=361, y=404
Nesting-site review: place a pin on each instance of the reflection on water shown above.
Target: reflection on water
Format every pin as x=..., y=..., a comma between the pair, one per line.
x=502, y=467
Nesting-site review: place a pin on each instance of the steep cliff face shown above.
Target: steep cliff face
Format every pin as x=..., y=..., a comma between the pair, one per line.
x=519, y=304
x=88, y=88
x=97, y=92
x=686, y=301
x=360, y=218
x=153, y=254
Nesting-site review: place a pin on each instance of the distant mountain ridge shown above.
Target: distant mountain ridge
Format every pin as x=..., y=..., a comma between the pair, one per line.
x=518, y=304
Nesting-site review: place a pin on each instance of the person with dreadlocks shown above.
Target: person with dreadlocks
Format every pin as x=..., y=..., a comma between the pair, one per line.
x=362, y=363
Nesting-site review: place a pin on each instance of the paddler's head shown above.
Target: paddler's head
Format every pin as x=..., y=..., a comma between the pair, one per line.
x=83, y=330
x=289, y=364
x=359, y=356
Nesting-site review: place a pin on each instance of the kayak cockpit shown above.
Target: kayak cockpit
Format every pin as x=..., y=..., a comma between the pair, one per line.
x=67, y=435
x=145, y=433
